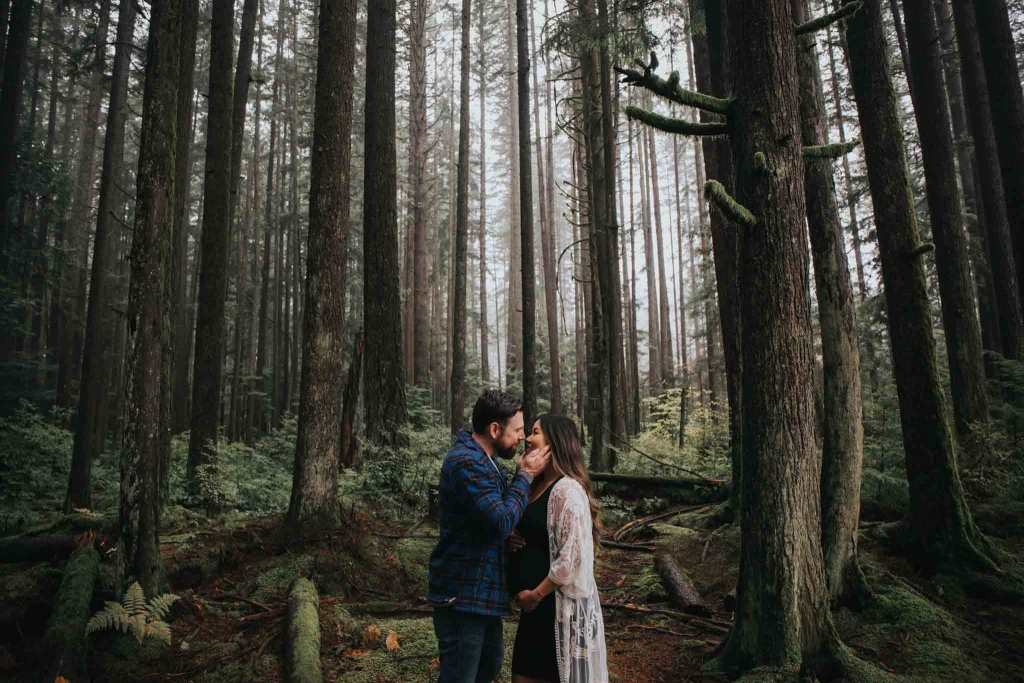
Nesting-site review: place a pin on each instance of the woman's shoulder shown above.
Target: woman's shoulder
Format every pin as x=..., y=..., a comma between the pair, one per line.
x=567, y=487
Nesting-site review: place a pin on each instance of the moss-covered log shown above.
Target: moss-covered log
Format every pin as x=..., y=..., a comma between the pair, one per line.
x=302, y=656
x=671, y=90
x=679, y=586
x=65, y=641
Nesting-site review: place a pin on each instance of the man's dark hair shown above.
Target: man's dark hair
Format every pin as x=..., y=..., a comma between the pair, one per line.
x=494, y=405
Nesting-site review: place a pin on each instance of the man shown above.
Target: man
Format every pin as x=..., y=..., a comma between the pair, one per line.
x=479, y=509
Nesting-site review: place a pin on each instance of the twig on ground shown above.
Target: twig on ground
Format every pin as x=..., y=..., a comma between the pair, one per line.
x=239, y=598
x=707, y=543
x=644, y=521
x=710, y=624
x=629, y=546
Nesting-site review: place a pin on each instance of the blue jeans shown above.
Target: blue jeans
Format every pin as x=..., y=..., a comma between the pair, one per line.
x=471, y=646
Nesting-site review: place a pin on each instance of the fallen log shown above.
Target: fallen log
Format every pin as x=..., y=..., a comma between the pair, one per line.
x=648, y=480
x=709, y=624
x=65, y=640
x=628, y=546
x=302, y=648
x=37, y=548
x=644, y=521
x=679, y=587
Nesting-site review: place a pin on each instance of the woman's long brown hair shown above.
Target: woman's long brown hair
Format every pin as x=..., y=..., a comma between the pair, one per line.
x=567, y=459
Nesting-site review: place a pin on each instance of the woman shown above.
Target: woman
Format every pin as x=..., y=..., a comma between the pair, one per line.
x=561, y=632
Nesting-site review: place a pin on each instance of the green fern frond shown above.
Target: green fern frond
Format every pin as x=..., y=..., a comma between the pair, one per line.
x=160, y=606
x=113, y=616
x=138, y=624
x=135, y=600
x=160, y=630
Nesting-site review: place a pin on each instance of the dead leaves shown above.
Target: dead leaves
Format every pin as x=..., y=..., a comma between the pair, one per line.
x=372, y=637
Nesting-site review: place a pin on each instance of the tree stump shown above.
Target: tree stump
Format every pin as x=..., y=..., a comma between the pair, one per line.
x=680, y=588
x=302, y=656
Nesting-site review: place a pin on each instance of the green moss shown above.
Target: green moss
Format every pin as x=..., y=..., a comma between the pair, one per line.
x=412, y=555
x=277, y=574
x=303, y=637
x=65, y=631
x=882, y=495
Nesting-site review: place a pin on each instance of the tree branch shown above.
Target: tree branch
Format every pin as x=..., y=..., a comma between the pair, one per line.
x=833, y=151
x=676, y=126
x=671, y=90
x=732, y=209
x=821, y=22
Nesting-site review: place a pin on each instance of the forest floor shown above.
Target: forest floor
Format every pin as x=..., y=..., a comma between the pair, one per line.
x=233, y=575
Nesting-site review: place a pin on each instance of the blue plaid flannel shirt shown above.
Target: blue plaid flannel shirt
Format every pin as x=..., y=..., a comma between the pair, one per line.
x=479, y=509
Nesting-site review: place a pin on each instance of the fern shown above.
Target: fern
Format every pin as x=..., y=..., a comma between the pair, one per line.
x=134, y=615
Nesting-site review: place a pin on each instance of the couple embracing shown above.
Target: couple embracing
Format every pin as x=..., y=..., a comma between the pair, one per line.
x=530, y=538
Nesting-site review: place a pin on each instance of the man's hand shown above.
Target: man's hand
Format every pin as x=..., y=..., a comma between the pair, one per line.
x=516, y=541
x=528, y=600
x=534, y=462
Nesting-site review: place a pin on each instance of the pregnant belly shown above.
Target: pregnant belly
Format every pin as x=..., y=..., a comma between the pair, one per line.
x=527, y=568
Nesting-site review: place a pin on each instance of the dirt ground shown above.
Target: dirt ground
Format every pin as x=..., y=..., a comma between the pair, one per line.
x=233, y=578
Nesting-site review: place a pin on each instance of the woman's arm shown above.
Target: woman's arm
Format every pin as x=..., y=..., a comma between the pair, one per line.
x=529, y=599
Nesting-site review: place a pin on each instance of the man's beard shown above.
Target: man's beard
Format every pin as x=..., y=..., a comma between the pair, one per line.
x=507, y=453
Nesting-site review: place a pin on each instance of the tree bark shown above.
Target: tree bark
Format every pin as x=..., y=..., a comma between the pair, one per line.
x=963, y=334
x=382, y=310
x=782, y=614
x=984, y=288
x=526, y=214
x=667, y=372
x=843, y=438
x=485, y=369
x=514, y=343
x=314, y=499
x=11, y=95
x=994, y=194
x=458, y=379
x=91, y=428
x=681, y=590
x=148, y=306
x=940, y=525
x=418, y=114
x=213, y=277
x=1006, y=103
x=712, y=72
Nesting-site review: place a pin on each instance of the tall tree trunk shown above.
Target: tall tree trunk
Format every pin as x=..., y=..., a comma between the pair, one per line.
x=382, y=312
x=73, y=286
x=213, y=277
x=458, y=380
x=181, y=311
x=1006, y=102
x=782, y=611
x=148, y=307
x=963, y=334
x=11, y=95
x=654, y=364
x=418, y=116
x=712, y=73
x=314, y=499
x=93, y=401
x=634, y=345
x=843, y=438
x=684, y=370
x=485, y=370
x=984, y=288
x=526, y=213
x=514, y=343
x=547, y=227
x=994, y=194
x=940, y=524
x=665, y=334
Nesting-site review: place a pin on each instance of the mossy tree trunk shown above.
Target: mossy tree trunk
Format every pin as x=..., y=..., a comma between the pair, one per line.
x=314, y=500
x=843, y=439
x=782, y=613
x=208, y=366
x=459, y=294
x=963, y=332
x=940, y=525
x=712, y=72
x=91, y=428
x=485, y=370
x=148, y=306
x=382, y=300
x=421, y=284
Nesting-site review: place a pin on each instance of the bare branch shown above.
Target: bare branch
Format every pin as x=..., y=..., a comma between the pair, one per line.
x=843, y=12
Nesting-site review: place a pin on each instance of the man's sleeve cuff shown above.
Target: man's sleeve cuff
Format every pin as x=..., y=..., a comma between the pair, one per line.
x=526, y=475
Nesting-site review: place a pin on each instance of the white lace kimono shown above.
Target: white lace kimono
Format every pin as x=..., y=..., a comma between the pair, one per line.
x=579, y=627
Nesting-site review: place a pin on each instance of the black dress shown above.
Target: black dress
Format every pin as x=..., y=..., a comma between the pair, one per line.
x=534, y=652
